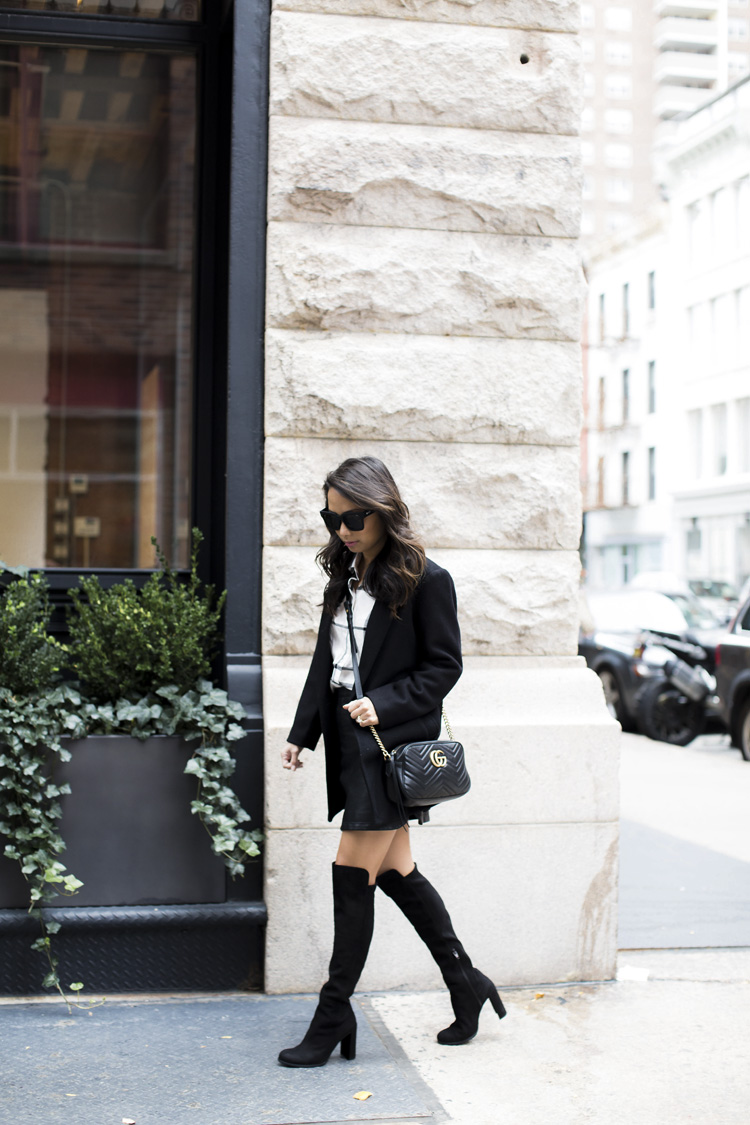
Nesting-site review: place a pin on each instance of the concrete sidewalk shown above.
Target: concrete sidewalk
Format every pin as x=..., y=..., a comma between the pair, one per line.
x=666, y=1044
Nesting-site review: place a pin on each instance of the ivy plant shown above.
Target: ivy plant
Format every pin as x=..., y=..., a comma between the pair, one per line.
x=142, y=659
x=205, y=715
x=35, y=711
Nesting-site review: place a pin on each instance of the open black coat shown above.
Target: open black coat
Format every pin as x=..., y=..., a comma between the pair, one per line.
x=407, y=664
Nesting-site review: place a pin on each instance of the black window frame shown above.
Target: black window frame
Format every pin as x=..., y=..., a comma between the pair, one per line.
x=626, y=310
x=652, y=386
x=211, y=41
x=625, y=462
x=625, y=394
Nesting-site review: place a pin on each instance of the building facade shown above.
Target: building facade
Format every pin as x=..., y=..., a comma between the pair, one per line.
x=668, y=427
x=647, y=65
x=384, y=259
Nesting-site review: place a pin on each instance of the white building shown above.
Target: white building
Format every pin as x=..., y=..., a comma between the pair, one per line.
x=708, y=172
x=668, y=371
x=646, y=65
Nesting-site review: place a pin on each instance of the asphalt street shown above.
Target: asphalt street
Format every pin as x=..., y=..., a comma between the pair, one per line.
x=684, y=845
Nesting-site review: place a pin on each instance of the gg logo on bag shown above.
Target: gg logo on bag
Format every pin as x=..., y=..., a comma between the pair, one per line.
x=438, y=758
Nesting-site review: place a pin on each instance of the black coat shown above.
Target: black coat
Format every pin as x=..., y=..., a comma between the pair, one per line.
x=408, y=665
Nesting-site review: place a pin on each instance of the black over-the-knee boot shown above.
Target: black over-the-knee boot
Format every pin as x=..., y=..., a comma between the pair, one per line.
x=334, y=1021
x=426, y=911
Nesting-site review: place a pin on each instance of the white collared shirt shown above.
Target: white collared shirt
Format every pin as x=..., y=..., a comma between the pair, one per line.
x=341, y=649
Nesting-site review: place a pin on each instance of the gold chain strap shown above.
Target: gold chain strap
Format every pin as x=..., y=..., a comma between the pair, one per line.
x=386, y=754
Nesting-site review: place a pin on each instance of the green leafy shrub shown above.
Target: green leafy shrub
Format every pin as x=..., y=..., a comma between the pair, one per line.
x=143, y=657
x=126, y=642
x=29, y=659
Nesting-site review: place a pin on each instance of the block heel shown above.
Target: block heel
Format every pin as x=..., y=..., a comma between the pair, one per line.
x=349, y=1045
x=497, y=1004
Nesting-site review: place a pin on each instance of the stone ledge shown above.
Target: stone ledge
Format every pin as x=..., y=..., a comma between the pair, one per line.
x=370, y=279
x=531, y=903
x=417, y=73
x=422, y=388
x=488, y=496
x=544, y=15
x=526, y=774
x=370, y=174
x=518, y=721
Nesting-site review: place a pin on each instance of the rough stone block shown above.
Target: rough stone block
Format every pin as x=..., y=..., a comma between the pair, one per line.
x=412, y=73
x=370, y=174
x=292, y=594
x=541, y=747
x=485, y=496
x=531, y=903
x=515, y=603
x=424, y=388
x=511, y=603
x=546, y=15
x=368, y=279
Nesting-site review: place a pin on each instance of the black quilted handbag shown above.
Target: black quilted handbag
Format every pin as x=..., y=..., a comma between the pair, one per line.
x=418, y=774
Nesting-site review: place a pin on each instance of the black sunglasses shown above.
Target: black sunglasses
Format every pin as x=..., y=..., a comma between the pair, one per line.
x=355, y=521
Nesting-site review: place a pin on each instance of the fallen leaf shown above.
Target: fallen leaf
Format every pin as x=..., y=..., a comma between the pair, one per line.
x=128, y=1121
x=538, y=995
x=363, y=1095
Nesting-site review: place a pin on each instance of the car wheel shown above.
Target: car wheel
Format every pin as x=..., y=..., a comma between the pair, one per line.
x=743, y=731
x=613, y=697
x=665, y=714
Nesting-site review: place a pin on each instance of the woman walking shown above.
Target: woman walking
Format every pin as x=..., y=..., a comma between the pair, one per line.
x=403, y=611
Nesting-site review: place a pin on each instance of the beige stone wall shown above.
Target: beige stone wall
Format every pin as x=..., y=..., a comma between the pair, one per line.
x=424, y=305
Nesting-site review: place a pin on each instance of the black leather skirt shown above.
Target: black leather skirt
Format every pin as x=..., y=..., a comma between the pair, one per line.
x=360, y=809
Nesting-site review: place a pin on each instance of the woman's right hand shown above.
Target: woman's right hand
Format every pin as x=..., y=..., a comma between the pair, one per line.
x=290, y=757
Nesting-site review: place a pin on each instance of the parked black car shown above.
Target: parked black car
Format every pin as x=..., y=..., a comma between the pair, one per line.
x=629, y=638
x=733, y=680
x=611, y=642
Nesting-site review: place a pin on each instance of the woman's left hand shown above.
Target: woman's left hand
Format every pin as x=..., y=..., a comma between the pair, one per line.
x=363, y=712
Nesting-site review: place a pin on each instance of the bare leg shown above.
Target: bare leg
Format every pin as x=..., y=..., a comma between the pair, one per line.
x=398, y=857
x=376, y=851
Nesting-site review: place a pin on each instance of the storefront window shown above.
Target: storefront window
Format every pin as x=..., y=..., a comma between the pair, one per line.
x=97, y=231
x=140, y=9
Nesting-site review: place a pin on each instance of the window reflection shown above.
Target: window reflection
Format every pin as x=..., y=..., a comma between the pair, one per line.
x=140, y=9
x=97, y=152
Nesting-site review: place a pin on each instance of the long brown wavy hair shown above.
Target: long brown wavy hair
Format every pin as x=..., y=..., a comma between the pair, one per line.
x=394, y=574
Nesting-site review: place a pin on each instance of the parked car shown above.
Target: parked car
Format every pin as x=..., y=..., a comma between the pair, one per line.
x=697, y=614
x=733, y=680
x=720, y=598
x=619, y=628
x=744, y=592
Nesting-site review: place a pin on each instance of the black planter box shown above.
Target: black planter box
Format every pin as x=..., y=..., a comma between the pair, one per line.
x=139, y=949
x=131, y=837
x=157, y=911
